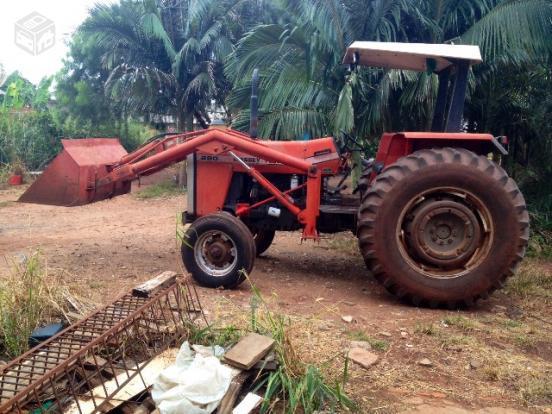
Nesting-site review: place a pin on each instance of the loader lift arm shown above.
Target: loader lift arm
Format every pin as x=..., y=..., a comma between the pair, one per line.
x=112, y=179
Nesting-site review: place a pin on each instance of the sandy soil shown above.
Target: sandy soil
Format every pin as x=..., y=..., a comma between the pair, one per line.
x=104, y=248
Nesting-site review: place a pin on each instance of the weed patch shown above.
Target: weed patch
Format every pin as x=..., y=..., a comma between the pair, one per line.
x=525, y=341
x=533, y=387
x=425, y=329
x=492, y=373
x=532, y=280
x=162, y=190
x=455, y=341
x=511, y=323
x=211, y=335
x=305, y=393
x=343, y=244
x=460, y=322
x=5, y=172
x=27, y=299
x=377, y=344
x=536, y=390
x=298, y=386
x=93, y=284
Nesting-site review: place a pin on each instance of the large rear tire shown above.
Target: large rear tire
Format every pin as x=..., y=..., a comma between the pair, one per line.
x=218, y=250
x=443, y=227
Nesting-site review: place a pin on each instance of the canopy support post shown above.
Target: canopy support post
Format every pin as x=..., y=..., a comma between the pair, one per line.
x=456, y=110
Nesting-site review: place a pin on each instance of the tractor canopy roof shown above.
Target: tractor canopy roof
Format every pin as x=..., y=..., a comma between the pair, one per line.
x=421, y=57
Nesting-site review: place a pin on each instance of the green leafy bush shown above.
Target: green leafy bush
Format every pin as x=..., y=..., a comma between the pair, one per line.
x=29, y=137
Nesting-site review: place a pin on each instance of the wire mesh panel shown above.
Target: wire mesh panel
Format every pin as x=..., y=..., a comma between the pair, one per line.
x=84, y=366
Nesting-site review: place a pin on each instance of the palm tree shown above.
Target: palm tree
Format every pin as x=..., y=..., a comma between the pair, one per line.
x=306, y=92
x=166, y=56
x=509, y=33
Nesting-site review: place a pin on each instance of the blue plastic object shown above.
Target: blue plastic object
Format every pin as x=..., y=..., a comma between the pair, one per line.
x=44, y=332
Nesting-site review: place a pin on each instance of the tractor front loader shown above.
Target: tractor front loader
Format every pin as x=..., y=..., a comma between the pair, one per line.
x=438, y=223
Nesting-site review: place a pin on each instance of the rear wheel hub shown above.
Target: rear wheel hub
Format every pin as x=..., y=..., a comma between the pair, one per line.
x=444, y=233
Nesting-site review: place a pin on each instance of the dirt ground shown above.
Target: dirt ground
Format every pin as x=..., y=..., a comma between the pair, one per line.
x=493, y=358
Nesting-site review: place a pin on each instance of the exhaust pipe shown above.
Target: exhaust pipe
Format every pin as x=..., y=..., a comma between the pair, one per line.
x=254, y=107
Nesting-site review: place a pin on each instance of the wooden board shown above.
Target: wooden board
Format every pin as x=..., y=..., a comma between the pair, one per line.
x=229, y=400
x=146, y=289
x=149, y=372
x=248, y=404
x=248, y=351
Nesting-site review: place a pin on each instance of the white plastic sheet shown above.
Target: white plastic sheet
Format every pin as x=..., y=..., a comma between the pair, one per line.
x=194, y=384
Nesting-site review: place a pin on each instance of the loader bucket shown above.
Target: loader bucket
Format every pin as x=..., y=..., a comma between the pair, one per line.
x=70, y=179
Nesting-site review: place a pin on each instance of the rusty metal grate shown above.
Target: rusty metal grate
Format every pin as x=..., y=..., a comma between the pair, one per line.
x=115, y=342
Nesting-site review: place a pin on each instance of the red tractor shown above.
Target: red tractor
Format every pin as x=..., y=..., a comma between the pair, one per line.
x=438, y=222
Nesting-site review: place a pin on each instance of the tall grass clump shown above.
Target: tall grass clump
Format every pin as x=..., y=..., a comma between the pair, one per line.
x=295, y=386
x=540, y=243
x=163, y=189
x=5, y=172
x=531, y=281
x=539, y=204
x=27, y=299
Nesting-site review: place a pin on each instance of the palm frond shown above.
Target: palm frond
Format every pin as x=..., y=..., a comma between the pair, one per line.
x=294, y=123
x=513, y=30
x=152, y=26
x=377, y=19
x=344, y=116
x=186, y=55
x=139, y=88
x=198, y=9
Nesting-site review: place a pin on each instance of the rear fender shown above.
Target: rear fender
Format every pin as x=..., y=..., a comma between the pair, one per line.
x=396, y=145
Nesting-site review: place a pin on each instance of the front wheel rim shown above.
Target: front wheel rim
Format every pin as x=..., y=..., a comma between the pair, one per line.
x=445, y=232
x=216, y=253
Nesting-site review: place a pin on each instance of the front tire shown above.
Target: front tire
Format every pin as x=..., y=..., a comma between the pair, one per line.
x=218, y=250
x=443, y=227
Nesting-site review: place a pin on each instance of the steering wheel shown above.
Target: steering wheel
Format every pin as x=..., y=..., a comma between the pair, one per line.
x=350, y=143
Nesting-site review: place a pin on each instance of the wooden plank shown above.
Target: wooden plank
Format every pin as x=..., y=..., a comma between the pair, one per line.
x=134, y=386
x=248, y=351
x=248, y=404
x=229, y=400
x=146, y=289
